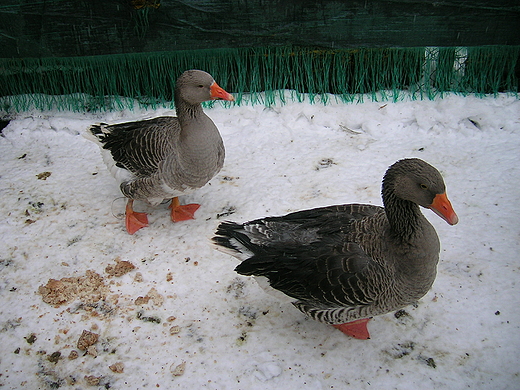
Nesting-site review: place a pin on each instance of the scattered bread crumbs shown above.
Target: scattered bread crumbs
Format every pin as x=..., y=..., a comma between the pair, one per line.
x=169, y=277
x=87, y=339
x=157, y=299
x=178, y=370
x=92, y=380
x=89, y=289
x=118, y=367
x=73, y=355
x=122, y=267
x=142, y=300
x=92, y=351
x=113, y=299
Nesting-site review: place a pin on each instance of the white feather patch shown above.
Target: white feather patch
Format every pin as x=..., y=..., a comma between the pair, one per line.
x=263, y=282
x=240, y=253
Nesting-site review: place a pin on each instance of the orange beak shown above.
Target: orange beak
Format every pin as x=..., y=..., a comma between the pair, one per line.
x=442, y=207
x=217, y=93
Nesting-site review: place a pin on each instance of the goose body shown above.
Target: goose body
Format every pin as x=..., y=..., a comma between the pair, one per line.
x=166, y=157
x=344, y=264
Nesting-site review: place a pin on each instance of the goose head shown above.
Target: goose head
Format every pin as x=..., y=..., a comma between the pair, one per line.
x=196, y=86
x=417, y=181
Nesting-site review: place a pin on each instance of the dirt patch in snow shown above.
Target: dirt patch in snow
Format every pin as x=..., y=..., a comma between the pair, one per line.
x=88, y=289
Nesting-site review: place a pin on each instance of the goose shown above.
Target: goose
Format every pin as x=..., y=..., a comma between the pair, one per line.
x=343, y=264
x=166, y=157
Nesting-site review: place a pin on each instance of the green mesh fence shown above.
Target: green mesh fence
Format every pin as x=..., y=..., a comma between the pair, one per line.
x=257, y=76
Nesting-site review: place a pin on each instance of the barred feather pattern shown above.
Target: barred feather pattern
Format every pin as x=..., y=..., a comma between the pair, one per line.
x=166, y=156
x=346, y=262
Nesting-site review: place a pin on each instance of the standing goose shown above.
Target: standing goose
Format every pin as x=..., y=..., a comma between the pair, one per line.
x=344, y=264
x=165, y=157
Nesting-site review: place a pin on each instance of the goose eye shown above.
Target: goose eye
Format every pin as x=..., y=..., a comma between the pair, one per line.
x=201, y=86
x=424, y=186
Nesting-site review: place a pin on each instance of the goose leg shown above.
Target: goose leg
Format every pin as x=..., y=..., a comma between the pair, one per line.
x=182, y=212
x=134, y=221
x=357, y=329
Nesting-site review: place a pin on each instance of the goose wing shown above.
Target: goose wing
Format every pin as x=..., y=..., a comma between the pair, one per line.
x=317, y=256
x=139, y=146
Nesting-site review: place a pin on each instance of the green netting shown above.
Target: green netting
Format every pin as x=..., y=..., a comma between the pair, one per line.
x=256, y=75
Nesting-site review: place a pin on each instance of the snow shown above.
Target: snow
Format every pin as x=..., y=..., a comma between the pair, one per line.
x=198, y=324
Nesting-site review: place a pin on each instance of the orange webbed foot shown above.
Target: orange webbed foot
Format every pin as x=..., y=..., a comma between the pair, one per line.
x=182, y=212
x=357, y=329
x=134, y=221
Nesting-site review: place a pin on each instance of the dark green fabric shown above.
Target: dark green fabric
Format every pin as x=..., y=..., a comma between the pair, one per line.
x=61, y=28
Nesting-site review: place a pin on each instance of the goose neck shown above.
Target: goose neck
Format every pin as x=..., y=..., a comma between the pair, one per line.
x=187, y=112
x=403, y=216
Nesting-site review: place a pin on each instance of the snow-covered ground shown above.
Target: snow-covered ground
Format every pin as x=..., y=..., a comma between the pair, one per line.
x=183, y=319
